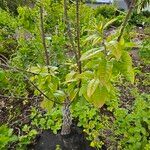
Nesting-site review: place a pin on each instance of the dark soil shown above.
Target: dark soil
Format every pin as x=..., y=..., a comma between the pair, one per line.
x=74, y=141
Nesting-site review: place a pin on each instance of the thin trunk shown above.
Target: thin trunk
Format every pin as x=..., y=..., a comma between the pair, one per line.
x=132, y=5
x=67, y=119
x=69, y=33
x=47, y=61
x=78, y=35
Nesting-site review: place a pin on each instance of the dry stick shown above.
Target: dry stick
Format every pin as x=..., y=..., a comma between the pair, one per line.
x=67, y=23
x=126, y=19
x=43, y=37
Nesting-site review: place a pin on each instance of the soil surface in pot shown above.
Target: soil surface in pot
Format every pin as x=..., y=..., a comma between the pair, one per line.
x=74, y=141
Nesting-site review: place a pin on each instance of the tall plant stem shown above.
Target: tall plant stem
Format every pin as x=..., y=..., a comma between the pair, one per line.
x=69, y=33
x=47, y=61
x=78, y=35
x=131, y=7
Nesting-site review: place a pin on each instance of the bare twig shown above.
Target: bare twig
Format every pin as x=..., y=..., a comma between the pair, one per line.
x=126, y=19
x=43, y=38
x=16, y=69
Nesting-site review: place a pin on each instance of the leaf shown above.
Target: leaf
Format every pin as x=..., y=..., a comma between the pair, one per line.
x=91, y=37
x=34, y=69
x=127, y=65
x=99, y=97
x=47, y=105
x=93, y=84
x=91, y=53
x=2, y=75
x=110, y=22
x=124, y=66
x=73, y=94
x=70, y=76
x=131, y=45
x=60, y=95
x=115, y=48
x=101, y=72
x=117, y=52
x=96, y=41
x=86, y=75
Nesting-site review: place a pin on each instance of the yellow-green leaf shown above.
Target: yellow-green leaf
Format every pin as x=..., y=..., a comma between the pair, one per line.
x=97, y=40
x=70, y=76
x=109, y=22
x=99, y=97
x=47, y=105
x=93, y=84
x=73, y=94
x=91, y=53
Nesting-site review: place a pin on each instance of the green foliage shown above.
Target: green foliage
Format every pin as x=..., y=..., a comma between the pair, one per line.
x=13, y=5
x=145, y=50
x=140, y=19
x=6, y=137
x=7, y=33
x=134, y=126
x=88, y=118
x=142, y=4
x=105, y=62
x=107, y=11
x=50, y=120
x=27, y=138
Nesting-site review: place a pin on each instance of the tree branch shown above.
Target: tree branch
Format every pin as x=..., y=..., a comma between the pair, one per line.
x=43, y=37
x=78, y=35
x=68, y=28
x=126, y=19
x=16, y=69
x=24, y=71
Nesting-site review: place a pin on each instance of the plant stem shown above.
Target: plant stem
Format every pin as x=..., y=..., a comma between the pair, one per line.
x=68, y=28
x=78, y=35
x=43, y=38
x=126, y=19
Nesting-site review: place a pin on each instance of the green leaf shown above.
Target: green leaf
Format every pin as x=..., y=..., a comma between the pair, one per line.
x=93, y=84
x=96, y=41
x=2, y=75
x=99, y=97
x=91, y=37
x=91, y=53
x=110, y=22
x=86, y=75
x=127, y=65
x=70, y=76
x=73, y=94
x=117, y=52
x=101, y=72
x=60, y=95
x=47, y=105
x=115, y=49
